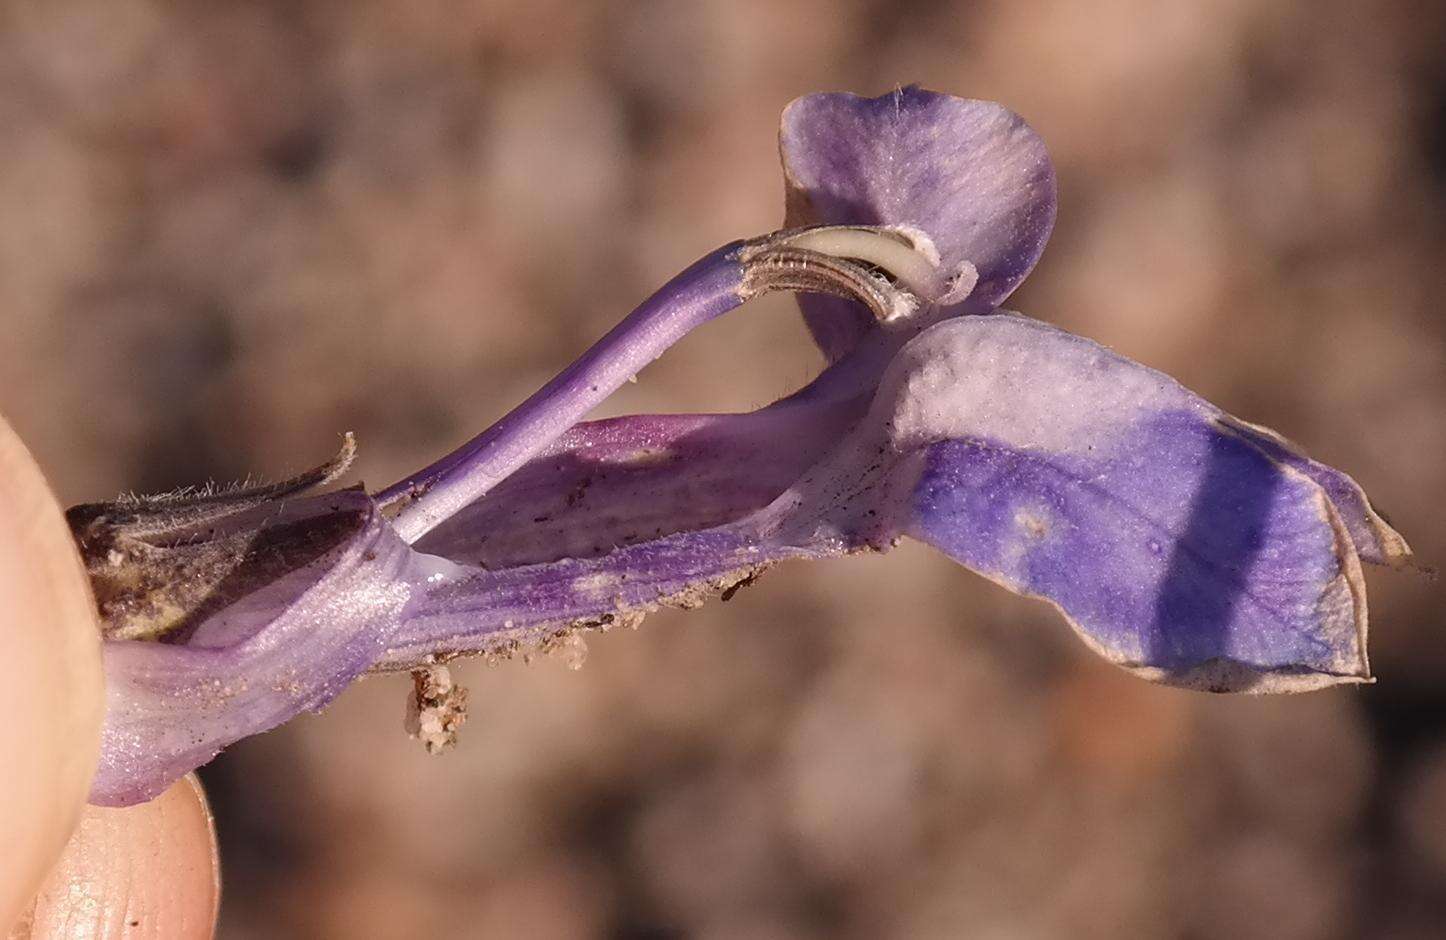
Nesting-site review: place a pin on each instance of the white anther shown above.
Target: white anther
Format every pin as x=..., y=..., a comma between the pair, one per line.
x=910, y=266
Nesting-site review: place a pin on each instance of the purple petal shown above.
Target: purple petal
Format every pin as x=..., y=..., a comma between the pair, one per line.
x=498, y=612
x=969, y=174
x=1176, y=547
x=842, y=503
x=287, y=648
x=613, y=483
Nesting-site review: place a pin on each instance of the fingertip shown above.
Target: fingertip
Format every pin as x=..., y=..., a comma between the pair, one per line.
x=51, y=687
x=145, y=871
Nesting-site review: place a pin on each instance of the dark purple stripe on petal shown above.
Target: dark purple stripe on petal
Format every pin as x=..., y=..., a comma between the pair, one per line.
x=1205, y=557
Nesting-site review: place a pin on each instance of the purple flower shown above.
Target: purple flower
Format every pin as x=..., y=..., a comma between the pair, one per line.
x=1179, y=542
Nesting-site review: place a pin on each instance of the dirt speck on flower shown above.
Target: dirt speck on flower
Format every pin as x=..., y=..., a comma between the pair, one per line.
x=436, y=709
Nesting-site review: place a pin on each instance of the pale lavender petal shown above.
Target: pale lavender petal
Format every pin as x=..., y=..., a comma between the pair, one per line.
x=1175, y=547
x=287, y=648
x=970, y=174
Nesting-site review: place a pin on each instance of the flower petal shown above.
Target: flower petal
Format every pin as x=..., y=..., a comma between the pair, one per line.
x=1375, y=540
x=612, y=483
x=970, y=174
x=500, y=612
x=284, y=649
x=839, y=504
x=1176, y=547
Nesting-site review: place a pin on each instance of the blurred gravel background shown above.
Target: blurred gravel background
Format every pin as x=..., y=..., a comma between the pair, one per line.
x=230, y=231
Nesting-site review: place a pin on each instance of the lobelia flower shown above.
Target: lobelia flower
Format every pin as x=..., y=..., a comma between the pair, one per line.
x=1179, y=542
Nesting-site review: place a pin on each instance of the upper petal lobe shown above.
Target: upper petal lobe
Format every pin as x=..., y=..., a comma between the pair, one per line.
x=970, y=174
